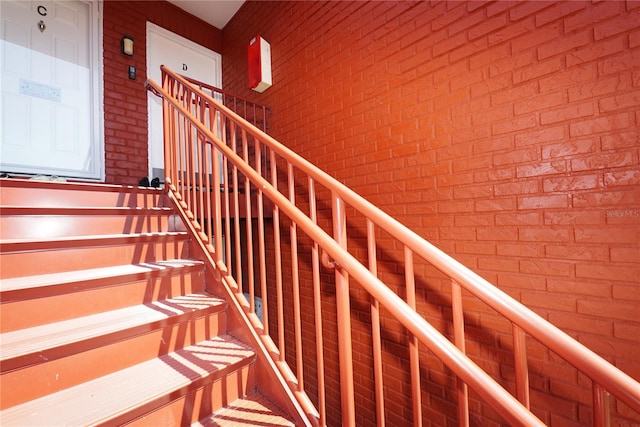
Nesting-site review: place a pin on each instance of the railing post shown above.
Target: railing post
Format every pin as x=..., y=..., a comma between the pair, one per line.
x=345, y=354
x=522, y=371
x=601, y=407
x=458, y=336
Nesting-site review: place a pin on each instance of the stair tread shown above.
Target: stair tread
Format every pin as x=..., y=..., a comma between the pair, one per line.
x=82, y=210
x=109, y=396
x=253, y=409
x=40, y=338
x=123, y=272
x=79, y=239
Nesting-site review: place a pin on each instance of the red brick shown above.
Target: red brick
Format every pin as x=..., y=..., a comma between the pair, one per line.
x=617, y=25
x=569, y=77
x=584, y=253
x=604, y=308
x=488, y=26
x=520, y=187
x=543, y=202
x=597, y=13
x=566, y=44
x=542, y=168
x=542, y=103
x=634, y=39
x=546, y=268
x=598, y=88
x=546, y=234
x=620, y=140
x=616, y=198
x=618, y=63
x=526, y=9
x=559, y=303
x=626, y=292
x=495, y=204
x=546, y=134
x=579, y=287
x=595, y=51
x=631, y=254
x=620, y=102
x=568, y=148
x=574, y=183
x=582, y=217
x=518, y=124
x=499, y=264
x=607, y=234
x=527, y=250
x=567, y=113
x=500, y=234
x=518, y=219
x=476, y=248
x=493, y=144
x=558, y=11
x=603, y=161
x=538, y=70
x=622, y=178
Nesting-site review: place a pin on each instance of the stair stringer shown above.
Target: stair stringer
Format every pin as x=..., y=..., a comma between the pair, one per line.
x=271, y=382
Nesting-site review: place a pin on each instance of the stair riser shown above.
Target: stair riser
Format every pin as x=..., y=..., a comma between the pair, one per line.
x=16, y=264
x=182, y=409
x=59, y=195
x=115, y=353
x=48, y=226
x=36, y=311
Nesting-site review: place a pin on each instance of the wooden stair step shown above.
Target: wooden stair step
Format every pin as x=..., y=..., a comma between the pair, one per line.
x=36, y=222
x=34, y=300
x=253, y=409
x=39, y=344
x=17, y=192
x=86, y=252
x=44, y=285
x=46, y=244
x=131, y=393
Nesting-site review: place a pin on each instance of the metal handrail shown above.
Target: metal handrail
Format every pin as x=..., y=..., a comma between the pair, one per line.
x=606, y=377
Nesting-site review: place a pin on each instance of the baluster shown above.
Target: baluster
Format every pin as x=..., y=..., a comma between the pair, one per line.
x=317, y=309
x=295, y=283
x=601, y=407
x=414, y=355
x=343, y=317
x=520, y=362
x=278, y=256
x=248, y=223
x=236, y=212
x=459, y=341
x=261, y=248
x=375, y=328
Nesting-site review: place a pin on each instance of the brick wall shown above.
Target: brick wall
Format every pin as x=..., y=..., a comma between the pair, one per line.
x=505, y=133
x=125, y=100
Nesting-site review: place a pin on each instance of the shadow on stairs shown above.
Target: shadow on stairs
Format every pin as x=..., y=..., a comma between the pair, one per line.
x=105, y=318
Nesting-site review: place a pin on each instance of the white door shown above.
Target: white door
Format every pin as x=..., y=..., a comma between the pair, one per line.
x=184, y=57
x=49, y=88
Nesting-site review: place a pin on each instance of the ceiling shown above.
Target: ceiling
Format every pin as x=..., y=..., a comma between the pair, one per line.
x=215, y=12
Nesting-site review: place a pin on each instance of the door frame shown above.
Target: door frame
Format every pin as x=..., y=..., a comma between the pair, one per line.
x=96, y=9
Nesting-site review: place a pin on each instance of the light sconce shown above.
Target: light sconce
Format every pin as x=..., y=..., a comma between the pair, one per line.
x=127, y=45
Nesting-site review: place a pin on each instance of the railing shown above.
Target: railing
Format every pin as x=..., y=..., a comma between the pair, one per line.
x=201, y=134
x=255, y=114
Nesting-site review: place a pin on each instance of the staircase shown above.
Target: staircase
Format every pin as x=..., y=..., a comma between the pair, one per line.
x=106, y=317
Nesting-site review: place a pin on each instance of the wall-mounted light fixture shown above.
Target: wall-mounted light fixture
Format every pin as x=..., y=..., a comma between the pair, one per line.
x=126, y=45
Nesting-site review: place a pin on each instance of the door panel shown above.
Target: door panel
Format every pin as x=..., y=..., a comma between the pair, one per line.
x=182, y=56
x=47, y=87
